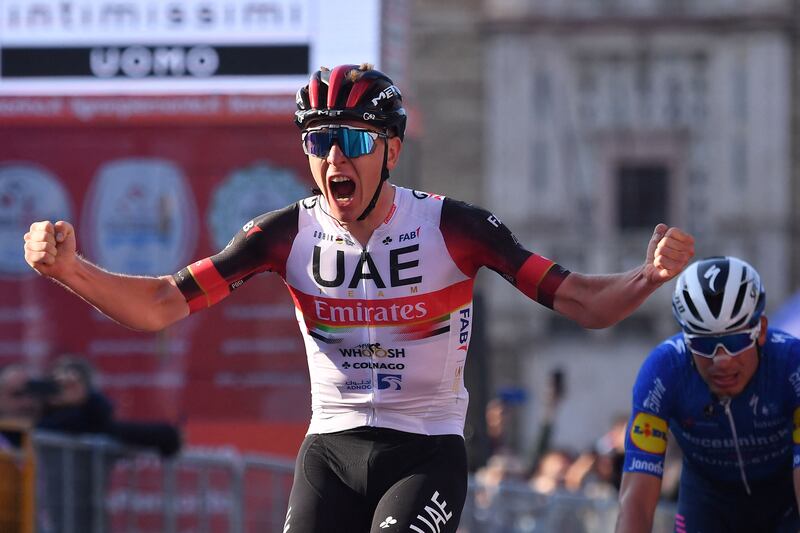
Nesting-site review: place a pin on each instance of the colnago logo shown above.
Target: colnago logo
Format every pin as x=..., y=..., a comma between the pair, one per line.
x=374, y=365
x=638, y=465
x=373, y=350
x=358, y=312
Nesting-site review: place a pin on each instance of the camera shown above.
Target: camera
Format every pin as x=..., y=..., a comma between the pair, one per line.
x=40, y=388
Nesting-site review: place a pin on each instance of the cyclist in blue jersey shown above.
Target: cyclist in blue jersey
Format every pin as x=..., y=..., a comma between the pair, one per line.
x=381, y=277
x=728, y=390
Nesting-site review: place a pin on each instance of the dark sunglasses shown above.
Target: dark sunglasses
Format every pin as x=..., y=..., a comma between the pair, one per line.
x=733, y=343
x=353, y=142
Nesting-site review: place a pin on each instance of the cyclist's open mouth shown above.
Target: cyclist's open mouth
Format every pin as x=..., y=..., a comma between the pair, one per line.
x=342, y=188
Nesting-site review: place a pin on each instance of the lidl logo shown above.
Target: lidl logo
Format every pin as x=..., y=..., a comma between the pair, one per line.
x=796, y=432
x=649, y=433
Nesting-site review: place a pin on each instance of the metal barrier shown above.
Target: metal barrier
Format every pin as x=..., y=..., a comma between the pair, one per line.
x=95, y=485
x=512, y=507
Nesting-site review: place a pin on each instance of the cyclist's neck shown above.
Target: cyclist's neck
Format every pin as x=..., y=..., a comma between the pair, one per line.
x=362, y=230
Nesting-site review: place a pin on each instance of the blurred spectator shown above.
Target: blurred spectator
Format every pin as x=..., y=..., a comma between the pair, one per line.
x=551, y=470
x=497, y=425
x=77, y=406
x=501, y=468
x=18, y=402
x=598, y=472
x=556, y=389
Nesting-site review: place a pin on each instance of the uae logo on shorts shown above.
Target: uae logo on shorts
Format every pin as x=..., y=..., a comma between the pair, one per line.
x=389, y=381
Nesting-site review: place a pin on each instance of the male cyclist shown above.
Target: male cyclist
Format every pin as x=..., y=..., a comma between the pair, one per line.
x=381, y=277
x=728, y=389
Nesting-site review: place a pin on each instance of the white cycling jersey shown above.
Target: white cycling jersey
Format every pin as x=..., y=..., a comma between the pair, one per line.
x=386, y=326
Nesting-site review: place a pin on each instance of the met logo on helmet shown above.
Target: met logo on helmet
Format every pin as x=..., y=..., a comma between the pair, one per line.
x=385, y=94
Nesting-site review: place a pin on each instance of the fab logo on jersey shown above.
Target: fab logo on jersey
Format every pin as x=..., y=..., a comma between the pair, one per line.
x=649, y=433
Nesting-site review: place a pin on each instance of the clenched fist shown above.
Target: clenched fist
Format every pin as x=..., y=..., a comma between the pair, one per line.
x=50, y=248
x=668, y=253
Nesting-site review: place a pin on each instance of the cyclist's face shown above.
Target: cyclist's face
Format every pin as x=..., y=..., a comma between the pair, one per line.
x=349, y=183
x=726, y=375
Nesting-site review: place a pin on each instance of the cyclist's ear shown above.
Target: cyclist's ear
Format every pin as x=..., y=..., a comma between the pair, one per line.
x=762, y=337
x=394, y=145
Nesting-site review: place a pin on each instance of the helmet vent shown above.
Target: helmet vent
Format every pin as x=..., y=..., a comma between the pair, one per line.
x=736, y=324
x=688, y=299
x=699, y=328
x=737, y=305
x=714, y=302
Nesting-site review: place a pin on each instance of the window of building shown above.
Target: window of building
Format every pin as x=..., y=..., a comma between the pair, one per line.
x=642, y=195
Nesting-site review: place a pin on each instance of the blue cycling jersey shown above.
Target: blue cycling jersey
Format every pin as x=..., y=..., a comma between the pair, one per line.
x=764, y=419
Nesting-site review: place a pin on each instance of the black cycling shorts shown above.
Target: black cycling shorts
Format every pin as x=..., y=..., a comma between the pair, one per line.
x=378, y=480
x=714, y=507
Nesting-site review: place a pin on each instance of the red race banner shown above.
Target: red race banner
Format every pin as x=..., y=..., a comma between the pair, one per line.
x=151, y=185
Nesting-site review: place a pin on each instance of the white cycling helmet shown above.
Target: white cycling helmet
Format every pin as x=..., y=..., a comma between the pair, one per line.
x=718, y=295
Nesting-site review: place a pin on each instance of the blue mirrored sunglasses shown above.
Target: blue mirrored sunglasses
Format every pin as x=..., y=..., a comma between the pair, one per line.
x=733, y=343
x=353, y=142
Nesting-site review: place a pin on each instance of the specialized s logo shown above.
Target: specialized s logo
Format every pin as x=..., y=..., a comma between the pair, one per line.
x=649, y=433
x=711, y=275
x=796, y=432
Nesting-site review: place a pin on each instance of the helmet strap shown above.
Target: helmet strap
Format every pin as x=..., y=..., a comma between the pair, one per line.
x=384, y=176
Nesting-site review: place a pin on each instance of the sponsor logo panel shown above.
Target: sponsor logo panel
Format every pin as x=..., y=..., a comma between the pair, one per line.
x=649, y=433
x=638, y=465
x=390, y=381
x=340, y=312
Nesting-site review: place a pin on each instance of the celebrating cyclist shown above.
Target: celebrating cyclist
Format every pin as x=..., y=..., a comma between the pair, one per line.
x=381, y=277
x=728, y=389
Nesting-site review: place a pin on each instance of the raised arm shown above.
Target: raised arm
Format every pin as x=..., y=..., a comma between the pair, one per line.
x=638, y=498
x=142, y=303
x=601, y=301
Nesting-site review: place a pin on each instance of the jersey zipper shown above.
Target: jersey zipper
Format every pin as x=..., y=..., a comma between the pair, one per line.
x=370, y=334
x=726, y=403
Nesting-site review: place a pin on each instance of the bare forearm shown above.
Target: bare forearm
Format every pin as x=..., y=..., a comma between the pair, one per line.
x=796, y=477
x=142, y=303
x=634, y=520
x=602, y=301
x=638, y=498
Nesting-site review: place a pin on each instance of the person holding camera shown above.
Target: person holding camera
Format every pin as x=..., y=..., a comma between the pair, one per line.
x=76, y=406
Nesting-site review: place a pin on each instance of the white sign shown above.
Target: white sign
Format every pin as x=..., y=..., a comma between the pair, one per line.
x=183, y=46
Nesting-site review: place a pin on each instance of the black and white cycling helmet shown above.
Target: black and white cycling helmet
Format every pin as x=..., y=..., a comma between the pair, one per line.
x=718, y=295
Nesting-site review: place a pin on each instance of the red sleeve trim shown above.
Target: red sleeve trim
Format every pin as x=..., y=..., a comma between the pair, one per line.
x=539, y=278
x=214, y=286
